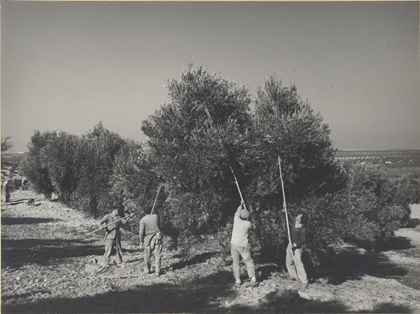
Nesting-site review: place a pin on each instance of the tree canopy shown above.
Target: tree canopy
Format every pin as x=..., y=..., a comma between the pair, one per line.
x=208, y=128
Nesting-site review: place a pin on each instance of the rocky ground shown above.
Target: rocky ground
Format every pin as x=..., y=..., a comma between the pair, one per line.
x=49, y=266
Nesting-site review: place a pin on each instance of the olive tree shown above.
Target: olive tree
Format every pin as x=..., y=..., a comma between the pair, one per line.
x=194, y=138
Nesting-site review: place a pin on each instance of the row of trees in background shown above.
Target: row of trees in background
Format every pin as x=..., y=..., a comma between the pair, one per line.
x=76, y=168
x=205, y=129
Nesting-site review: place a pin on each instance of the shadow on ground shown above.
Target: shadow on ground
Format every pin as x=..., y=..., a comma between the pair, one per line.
x=352, y=264
x=211, y=294
x=289, y=301
x=391, y=308
x=200, y=258
x=413, y=222
x=265, y=271
x=16, y=253
x=25, y=220
x=396, y=243
x=20, y=201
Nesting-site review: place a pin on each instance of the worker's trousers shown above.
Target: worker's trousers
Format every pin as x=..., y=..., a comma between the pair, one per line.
x=155, y=248
x=109, y=244
x=294, y=264
x=245, y=252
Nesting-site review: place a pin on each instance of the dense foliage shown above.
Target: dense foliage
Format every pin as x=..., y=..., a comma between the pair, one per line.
x=77, y=169
x=193, y=140
x=204, y=139
x=407, y=189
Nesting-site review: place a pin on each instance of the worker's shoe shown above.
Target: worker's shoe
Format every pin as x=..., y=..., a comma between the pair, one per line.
x=253, y=282
x=238, y=283
x=102, y=269
x=305, y=286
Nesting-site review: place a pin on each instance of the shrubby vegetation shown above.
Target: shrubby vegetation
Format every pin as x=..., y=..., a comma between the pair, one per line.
x=204, y=131
x=364, y=211
x=77, y=169
x=407, y=189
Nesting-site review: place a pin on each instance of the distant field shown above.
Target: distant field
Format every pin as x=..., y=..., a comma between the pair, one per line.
x=397, y=162
x=13, y=157
x=388, y=157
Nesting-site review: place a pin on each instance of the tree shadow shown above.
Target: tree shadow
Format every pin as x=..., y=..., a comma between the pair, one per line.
x=265, y=271
x=204, y=295
x=352, y=263
x=391, y=308
x=413, y=222
x=131, y=250
x=25, y=220
x=16, y=253
x=200, y=258
x=395, y=243
x=20, y=201
x=19, y=296
x=289, y=301
x=195, y=296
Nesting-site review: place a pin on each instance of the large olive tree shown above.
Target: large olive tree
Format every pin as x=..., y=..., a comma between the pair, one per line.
x=194, y=139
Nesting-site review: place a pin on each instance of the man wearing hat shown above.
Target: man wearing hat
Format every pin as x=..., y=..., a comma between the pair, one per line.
x=112, y=224
x=240, y=245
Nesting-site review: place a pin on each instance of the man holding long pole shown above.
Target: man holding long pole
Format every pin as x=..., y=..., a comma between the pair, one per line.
x=112, y=224
x=294, y=262
x=297, y=237
x=239, y=244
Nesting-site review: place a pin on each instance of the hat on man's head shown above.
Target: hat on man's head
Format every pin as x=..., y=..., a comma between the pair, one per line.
x=147, y=209
x=244, y=214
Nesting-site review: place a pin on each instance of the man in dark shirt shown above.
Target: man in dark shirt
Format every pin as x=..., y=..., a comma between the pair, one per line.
x=294, y=263
x=112, y=223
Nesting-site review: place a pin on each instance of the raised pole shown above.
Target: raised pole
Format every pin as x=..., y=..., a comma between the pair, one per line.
x=237, y=185
x=284, y=201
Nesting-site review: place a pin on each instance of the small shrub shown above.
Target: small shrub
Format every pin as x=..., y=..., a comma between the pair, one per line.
x=407, y=189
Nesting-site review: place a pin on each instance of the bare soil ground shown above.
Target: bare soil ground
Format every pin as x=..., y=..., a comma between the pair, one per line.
x=49, y=264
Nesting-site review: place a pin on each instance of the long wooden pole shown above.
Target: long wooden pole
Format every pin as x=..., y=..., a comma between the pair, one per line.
x=237, y=185
x=284, y=201
x=154, y=203
x=106, y=225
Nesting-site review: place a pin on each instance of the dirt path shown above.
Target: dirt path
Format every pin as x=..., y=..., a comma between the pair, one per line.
x=48, y=266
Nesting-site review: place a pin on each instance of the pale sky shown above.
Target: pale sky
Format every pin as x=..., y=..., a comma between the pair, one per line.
x=66, y=66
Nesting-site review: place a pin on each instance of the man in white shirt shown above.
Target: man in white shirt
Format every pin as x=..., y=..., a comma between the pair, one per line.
x=240, y=245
